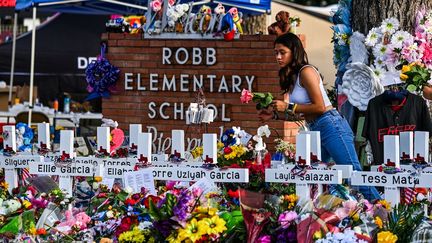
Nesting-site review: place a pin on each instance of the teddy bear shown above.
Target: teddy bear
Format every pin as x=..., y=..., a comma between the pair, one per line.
x=82, y=219
x=282, y=24
x=236, y=18
x=204, y=12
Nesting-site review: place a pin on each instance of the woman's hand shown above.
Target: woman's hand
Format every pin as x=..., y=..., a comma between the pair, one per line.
x=280, y=105
x=266, y=114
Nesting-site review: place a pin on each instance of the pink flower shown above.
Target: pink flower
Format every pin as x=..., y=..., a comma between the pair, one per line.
x=171, y=2
x=246, y=96
x=427, y=52
x=156, y=5
x=286, y=218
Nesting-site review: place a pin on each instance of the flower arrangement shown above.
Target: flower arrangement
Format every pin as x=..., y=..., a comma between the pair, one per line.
x=295, y=20
x=393, y=48
x=286, y=148
x=263, y=100
x=231, y=152
x=416, y=75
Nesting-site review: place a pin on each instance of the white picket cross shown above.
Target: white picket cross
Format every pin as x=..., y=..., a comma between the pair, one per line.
x=134, y=130
x=103, y=139
x=318, y=176
x=44, y=135
x=16, y=161
x=178, y=142
x=392, y=183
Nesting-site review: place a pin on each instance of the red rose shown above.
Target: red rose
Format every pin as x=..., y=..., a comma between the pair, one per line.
x=227, y=150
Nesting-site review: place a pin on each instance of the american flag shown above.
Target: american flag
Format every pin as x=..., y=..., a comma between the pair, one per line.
x=25, y=175
x=409, y=195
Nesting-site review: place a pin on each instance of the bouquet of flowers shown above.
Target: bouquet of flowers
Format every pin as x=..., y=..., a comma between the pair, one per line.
x=263, y=100
x=231, y=150
x=416, y=75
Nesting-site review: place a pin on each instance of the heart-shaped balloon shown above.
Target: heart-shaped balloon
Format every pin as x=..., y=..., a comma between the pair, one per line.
x=117, y=137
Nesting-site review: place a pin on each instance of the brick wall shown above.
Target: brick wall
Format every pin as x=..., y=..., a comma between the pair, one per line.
x=250, y=55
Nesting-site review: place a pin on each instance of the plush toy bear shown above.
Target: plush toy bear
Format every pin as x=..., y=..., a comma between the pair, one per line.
x=82, y=219
x=282, y=24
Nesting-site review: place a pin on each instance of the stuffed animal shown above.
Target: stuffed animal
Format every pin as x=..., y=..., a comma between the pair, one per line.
x=66, y=225
x=220, y=9
x=82, y=219
x=24, y=135
x=204, y=12
x=237, y=20
x=282, y=24
x=157, y=27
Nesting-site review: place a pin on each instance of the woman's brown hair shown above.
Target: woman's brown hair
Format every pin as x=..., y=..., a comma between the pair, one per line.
x=289, y=73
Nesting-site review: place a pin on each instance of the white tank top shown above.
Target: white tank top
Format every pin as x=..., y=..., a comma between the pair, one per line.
x=299, y=95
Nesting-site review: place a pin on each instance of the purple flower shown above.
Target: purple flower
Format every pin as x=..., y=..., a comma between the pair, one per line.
x=180, y=210
x=165, y=227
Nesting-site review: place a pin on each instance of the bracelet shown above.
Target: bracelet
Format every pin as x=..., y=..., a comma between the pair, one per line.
x=294, y=109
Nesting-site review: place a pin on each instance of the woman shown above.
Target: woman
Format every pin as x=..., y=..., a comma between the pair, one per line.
x=303, y=87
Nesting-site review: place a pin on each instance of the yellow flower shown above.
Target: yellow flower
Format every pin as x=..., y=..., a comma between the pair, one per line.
x=317, y=235
x=403, y=76
x=378, y=222
x=192, y=231
x=385, y=204
x=98, y=178
x=4, y=184
x=386, y=237
x=206, y=210
x=173, y=237
x=291, y=198
x=406, y=68
x=220, y=145
x=213, y=225
x=32, y=230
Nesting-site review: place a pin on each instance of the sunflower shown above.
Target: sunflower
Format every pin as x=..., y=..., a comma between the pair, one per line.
x=192, y=231
x=213, y=225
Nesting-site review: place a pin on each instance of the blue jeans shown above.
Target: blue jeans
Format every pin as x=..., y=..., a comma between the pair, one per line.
x=337, y=142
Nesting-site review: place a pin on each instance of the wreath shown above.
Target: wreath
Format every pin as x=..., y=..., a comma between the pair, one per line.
x=101, y=77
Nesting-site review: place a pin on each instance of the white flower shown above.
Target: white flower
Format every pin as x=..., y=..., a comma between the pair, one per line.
x=360, y=84
x=378, y=63
x=263, y=130
x=373, y=37
x=399, y=38
x=379, y=71
x=389, y=25
x=380, y=51
x=110, y=214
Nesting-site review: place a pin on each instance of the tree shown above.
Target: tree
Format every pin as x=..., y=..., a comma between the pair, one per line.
x=370, y=13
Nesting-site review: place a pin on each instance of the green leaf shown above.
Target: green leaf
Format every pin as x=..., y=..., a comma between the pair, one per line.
x=154, y=211
x=411, y=88
x=122, y=196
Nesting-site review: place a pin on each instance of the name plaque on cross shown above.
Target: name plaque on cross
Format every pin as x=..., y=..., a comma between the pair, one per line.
x=182, y=173
x=361, y=178
x=310, y=177
x=116, y=168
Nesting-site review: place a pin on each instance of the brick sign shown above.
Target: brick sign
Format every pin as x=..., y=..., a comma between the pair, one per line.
x=160, y=78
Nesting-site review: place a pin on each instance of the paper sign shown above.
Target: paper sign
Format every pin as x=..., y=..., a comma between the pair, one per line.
x=109, y=182
x=205, y=185
x=139, y=179
x=244, y=139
